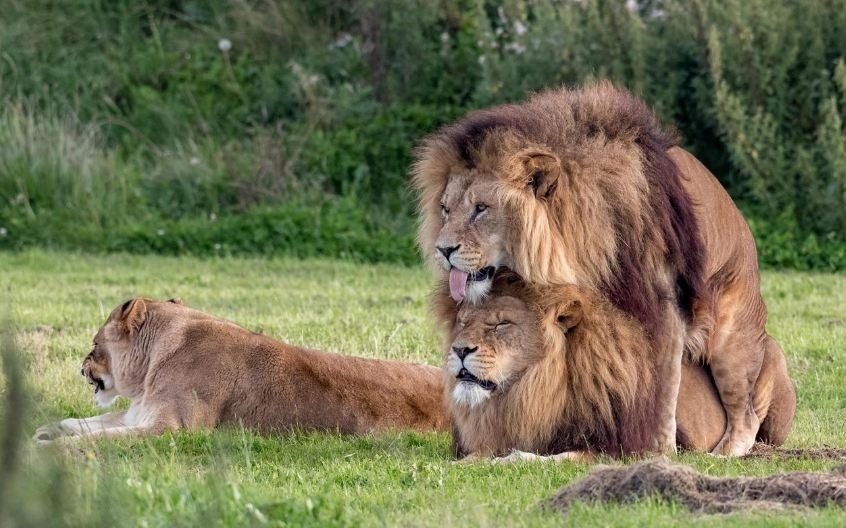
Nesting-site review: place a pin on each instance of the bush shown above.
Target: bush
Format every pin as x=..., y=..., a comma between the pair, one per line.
x=123, y=116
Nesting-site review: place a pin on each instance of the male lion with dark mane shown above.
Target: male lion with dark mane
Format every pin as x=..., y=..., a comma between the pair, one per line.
x=557, y=371
x=183, y=368
x=584, y=186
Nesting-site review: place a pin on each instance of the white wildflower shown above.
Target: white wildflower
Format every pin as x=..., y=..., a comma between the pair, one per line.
x=342, y=41
x=160, y=232
x=519, y=28
x=224, y=45
x=444, y=37
x=194, y=161
x=517, y=47
x=3, y=232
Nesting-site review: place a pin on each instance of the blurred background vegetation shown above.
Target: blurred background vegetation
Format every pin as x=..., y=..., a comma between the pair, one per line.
x=287, y=127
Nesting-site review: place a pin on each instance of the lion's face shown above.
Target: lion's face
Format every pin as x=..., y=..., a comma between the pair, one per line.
x=471, y=242
x=493, y=342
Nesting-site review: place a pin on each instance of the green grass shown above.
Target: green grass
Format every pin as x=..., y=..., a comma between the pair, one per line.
x=56, y=301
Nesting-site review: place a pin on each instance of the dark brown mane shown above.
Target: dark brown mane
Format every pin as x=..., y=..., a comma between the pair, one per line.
x=632, y=429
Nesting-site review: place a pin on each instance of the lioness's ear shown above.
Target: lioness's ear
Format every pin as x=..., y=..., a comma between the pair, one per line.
x=569, y=314
x=538, y=170
x=176, y=300
x=133, y=314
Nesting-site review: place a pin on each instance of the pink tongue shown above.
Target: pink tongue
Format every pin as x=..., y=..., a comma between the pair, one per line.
x=457, y=284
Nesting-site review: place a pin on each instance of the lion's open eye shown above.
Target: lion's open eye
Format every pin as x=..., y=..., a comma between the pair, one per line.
x=477, y=210
x=444, y=211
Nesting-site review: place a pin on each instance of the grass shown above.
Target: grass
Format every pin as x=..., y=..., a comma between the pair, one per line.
x=56, y=301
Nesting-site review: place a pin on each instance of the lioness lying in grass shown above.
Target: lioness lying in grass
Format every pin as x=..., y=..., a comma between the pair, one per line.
x=183, y=368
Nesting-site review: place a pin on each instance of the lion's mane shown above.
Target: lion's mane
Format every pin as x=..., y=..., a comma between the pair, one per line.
x=593, y=388
x=613, y=214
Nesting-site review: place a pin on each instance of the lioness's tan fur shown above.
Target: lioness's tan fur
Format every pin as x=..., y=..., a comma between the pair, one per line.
x=574, y=378
x=584, y=186
x=183, y=368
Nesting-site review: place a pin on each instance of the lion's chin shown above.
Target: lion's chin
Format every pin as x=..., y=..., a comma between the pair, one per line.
x=472, y=287
x=478, y=290
x=469, y=394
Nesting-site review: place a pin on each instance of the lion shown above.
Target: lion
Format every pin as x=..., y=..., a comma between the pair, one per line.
x=584, y=186
x=559, y=372
x=182, y=368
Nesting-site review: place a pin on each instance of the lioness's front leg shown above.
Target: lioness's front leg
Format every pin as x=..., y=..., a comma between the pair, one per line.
x=79, y=426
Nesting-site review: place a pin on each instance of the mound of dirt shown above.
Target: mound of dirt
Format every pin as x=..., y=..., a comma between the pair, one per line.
x=702, y=493
x=818, y=453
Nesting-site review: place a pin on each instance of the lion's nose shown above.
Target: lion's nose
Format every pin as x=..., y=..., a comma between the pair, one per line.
x=447, y=251
x=463, y=352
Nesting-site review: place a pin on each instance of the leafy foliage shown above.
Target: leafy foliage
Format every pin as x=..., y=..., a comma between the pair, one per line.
x=122, y=116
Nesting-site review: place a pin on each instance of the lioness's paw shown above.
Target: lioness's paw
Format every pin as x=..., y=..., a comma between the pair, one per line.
x=53, y=432
x=48, y=433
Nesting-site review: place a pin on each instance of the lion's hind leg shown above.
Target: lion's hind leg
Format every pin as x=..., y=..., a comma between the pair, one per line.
x=735, y=356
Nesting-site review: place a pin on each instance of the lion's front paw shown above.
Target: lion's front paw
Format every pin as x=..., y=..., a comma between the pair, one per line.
x=517, y=456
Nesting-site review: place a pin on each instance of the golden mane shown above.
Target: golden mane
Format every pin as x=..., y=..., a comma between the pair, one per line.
x=584, y=186
x=597, y=157
x=592, y=387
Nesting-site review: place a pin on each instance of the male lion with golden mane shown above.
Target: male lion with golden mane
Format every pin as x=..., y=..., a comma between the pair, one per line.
x=584, y=186
x=183, y=368
x=558, y=371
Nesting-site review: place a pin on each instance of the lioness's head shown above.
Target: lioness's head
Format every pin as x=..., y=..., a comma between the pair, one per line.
x=112, y=344
x=495, y=340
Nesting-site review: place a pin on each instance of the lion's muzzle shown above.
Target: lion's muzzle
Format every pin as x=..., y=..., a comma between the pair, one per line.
x=467, y=376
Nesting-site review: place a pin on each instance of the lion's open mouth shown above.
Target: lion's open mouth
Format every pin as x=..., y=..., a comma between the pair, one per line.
x=459, y=279
x=466, y=375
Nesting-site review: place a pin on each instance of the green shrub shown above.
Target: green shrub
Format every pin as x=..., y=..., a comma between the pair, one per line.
x=122, y=116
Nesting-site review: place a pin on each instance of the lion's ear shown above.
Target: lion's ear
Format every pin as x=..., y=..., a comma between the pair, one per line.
x=538, y=170
x=569, y=314
x=133, y=314
x=176, y=300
